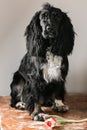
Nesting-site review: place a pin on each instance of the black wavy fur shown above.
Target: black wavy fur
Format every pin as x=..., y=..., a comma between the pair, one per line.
x=29, y=75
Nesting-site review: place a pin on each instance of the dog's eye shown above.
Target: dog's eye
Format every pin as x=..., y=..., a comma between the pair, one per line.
x=54, y=14
x=45, y=17
x=45, y=14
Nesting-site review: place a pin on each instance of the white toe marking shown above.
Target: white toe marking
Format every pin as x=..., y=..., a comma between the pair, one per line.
x=20, y=104
x=59, y=103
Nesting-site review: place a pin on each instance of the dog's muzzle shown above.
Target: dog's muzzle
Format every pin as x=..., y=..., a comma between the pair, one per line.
x=49, y=32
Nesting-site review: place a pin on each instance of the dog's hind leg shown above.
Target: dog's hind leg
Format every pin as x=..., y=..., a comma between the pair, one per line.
x=17, y=87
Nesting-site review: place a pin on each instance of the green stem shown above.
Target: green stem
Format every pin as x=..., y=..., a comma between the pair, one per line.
x=64, y=120
x=76, y=121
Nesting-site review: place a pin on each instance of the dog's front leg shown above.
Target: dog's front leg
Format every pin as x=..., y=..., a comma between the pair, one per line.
x=37, y=113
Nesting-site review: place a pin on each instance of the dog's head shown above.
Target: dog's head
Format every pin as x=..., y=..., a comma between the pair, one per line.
x=50, y=23
x=50, y=19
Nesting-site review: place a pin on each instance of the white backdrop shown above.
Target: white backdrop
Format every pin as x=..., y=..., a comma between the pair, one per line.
x=15, y=16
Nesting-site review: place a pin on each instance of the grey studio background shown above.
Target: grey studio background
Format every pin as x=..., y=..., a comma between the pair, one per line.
x=15, y=15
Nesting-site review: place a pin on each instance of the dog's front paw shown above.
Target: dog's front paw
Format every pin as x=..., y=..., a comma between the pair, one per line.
x=59, y=106
x=40, y=116
x=20, y=106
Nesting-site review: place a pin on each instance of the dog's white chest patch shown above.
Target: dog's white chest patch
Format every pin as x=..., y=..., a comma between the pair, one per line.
x=52, y=69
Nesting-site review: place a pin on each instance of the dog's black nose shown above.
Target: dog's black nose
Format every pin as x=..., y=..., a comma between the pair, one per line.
x=48, y=28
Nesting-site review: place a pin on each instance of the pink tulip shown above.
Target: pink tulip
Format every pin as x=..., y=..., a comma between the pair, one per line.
x=51, y=122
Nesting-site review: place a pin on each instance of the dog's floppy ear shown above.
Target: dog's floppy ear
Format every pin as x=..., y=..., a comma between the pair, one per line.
x=66, y=36
x=33, y=33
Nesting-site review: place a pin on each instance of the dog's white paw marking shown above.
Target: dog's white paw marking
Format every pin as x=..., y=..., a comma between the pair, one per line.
x=59, y=102
x=20, y=105
x=40, y=117
x=59, y=106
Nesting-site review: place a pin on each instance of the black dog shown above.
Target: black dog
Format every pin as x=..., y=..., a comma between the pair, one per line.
x=40, y=79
